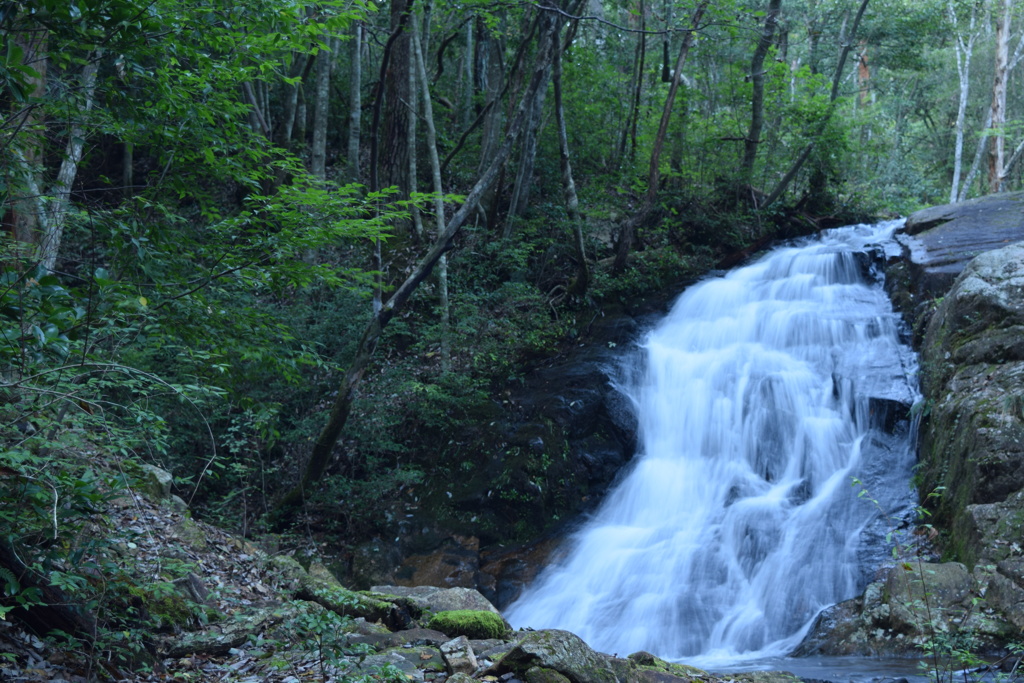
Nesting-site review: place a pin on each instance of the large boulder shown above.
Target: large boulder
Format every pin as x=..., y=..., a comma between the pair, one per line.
x=972, y=448
x=913, y=605
x=559, y=651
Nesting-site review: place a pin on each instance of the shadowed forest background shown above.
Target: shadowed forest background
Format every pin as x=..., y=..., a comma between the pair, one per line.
x=299, y=254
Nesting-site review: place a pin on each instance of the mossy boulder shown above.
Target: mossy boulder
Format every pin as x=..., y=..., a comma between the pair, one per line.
x=474, y=624
x=560, y=651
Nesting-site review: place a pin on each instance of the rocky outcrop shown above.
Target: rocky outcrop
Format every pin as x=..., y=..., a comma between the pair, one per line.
x=941, y=240
x=961, y=282
x=902, y=613
x=972, y=446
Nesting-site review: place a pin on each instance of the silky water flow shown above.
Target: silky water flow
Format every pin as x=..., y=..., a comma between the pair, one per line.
x=762, y=399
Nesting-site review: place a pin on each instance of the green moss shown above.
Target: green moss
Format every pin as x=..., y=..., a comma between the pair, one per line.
x=474, y=624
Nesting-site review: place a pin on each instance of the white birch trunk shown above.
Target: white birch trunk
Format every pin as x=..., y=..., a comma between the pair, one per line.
x=56, y=216
x=964, y=50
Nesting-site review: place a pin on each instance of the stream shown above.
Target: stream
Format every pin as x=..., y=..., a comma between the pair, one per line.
x=774, y=457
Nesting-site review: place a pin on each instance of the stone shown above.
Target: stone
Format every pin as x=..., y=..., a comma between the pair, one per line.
x=561, y=651
x=972, y=447
x=941, y=240
x=434, y=599
x=923, y=596
x=458, y=656
x=155, y=483
x=475, y=624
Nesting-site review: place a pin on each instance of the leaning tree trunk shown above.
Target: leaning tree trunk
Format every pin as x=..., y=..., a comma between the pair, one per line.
x=524, y=174
x=627, y=231
x=323, y=448
x=435, y=168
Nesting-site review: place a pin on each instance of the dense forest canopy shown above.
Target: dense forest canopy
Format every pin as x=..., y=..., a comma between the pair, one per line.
x=297, y=253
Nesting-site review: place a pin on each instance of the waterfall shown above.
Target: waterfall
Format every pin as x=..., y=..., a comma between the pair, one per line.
x=762, y=399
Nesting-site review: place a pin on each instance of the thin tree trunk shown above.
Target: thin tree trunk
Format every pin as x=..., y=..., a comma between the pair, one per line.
x=355, y=102
x=964, y=51
x=581, y=282
x=56, y=216
x=633, y=117
x=979, y=152
x=997, y=139
x=627, y=232
x=753, y=139
x=417, y=219
x=323, y=449
x=318, y=161
x=435, y=168
x=524, y=174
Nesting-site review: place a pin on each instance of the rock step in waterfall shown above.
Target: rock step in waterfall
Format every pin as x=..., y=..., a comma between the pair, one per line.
x=761, y=398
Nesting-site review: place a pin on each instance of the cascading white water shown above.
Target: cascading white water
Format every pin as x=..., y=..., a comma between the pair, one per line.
x=758, y=405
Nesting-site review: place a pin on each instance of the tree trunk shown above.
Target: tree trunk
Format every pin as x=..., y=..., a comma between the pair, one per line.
x=524, y=174
x=355, y=103
x=627, y=232
x=318, y=161
x=413, y=114
x=435, y=168
x=753, y=139
x=323, y=449
x=997, y=139
x=964, y=50
x=581, y=282
x=633, y=117
x=395, y=154
x=56, y=216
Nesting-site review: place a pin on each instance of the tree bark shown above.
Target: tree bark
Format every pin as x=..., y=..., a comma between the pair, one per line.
x=753, y=139
x=321, y=107
x=323, y=449
x=627, y=232
x=355, y=103
x=395, y=155
x=997, y=139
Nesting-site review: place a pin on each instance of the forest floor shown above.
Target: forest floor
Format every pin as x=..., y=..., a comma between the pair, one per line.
x=231, y=578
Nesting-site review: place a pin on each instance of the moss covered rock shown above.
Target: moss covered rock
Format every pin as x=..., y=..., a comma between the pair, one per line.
x=474, y=624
